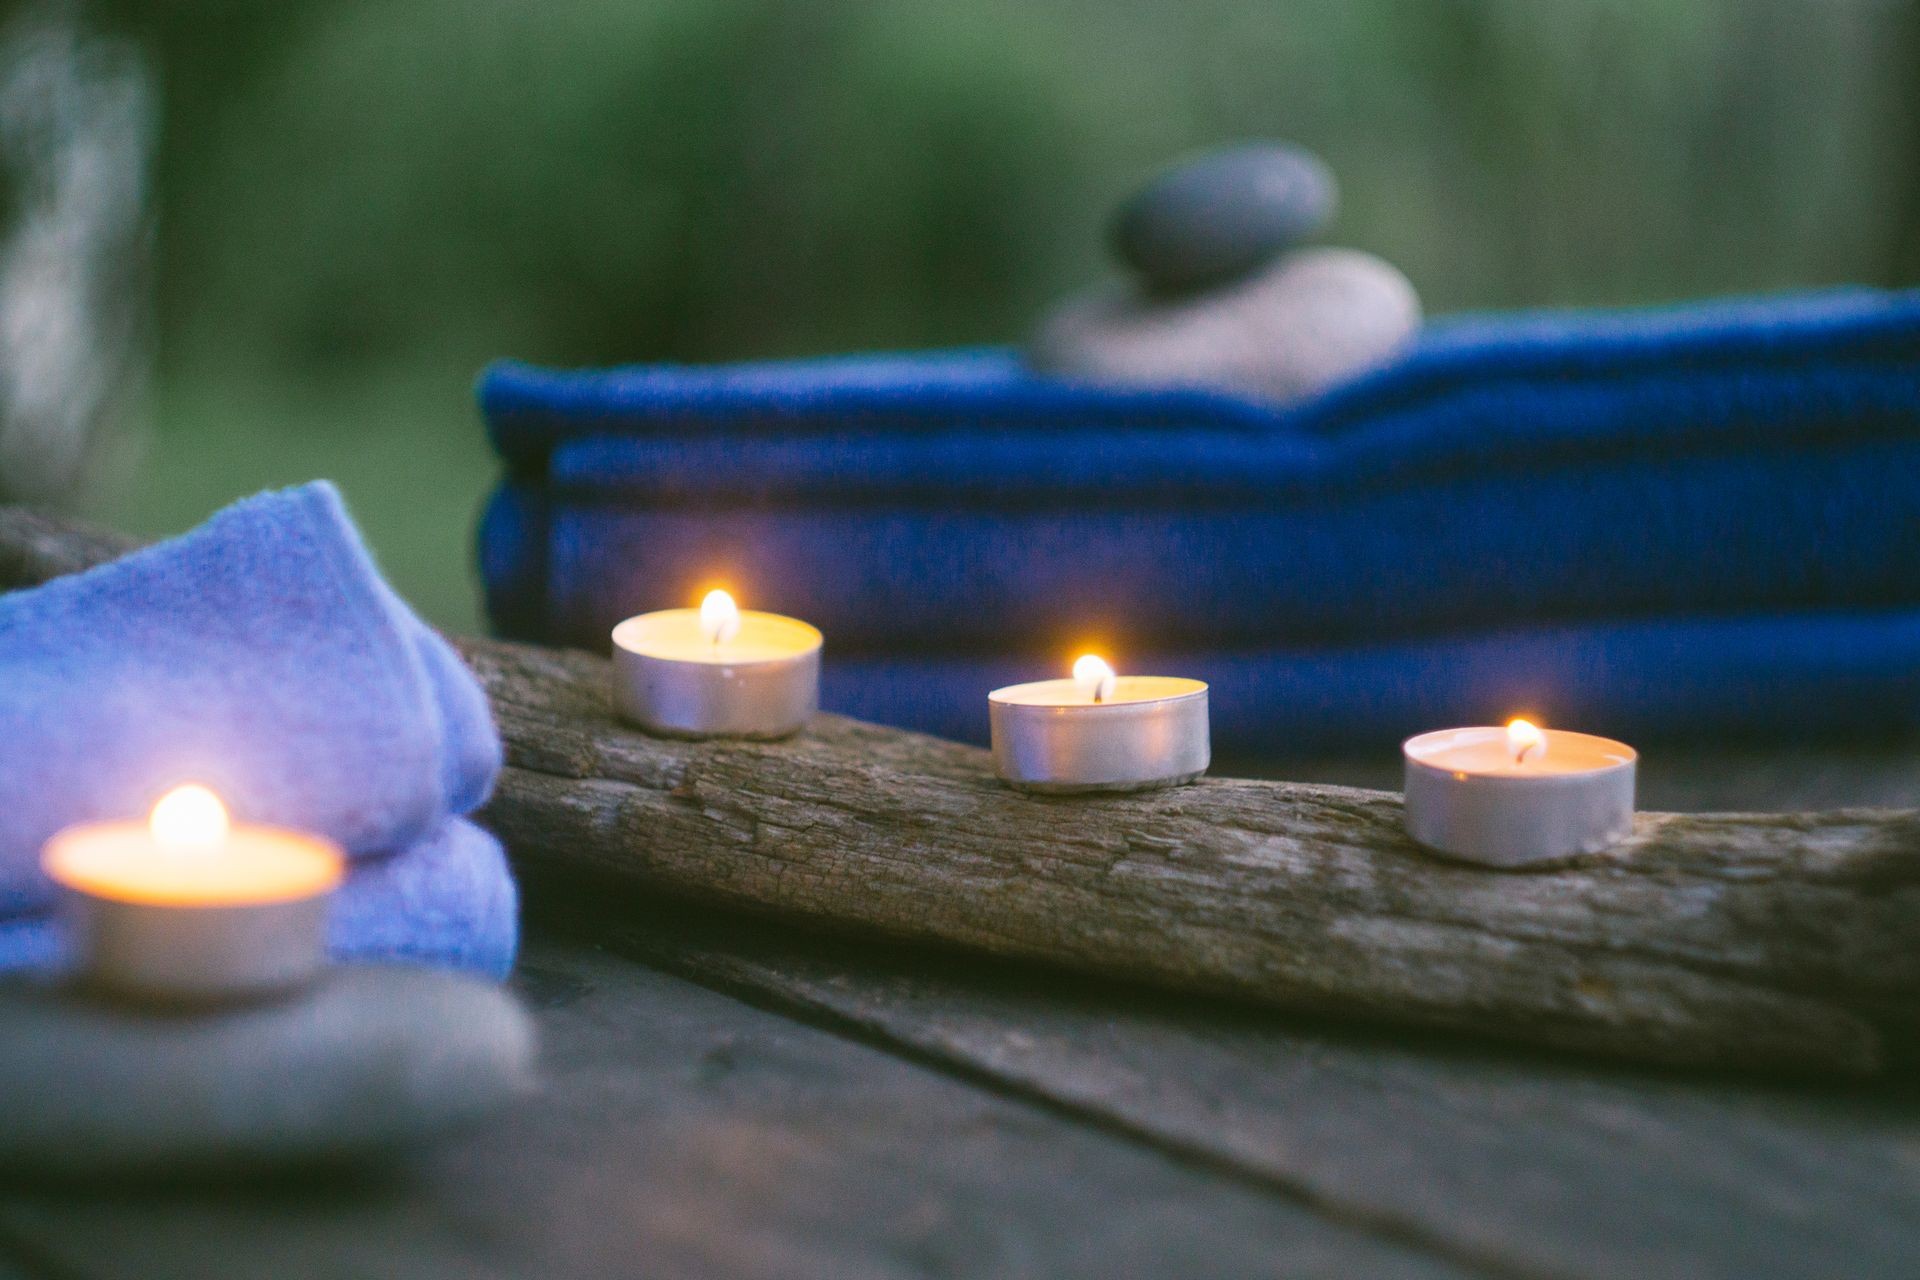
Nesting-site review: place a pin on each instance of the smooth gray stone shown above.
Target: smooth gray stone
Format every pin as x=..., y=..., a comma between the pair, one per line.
x=1311, y=319
x=1218, y=216
x=368, y=1060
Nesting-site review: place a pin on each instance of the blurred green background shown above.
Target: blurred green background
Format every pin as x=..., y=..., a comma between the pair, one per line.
x=354, y=204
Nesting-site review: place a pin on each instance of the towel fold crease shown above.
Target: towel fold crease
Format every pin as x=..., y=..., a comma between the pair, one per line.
x=262, y=655
x=1745, y=468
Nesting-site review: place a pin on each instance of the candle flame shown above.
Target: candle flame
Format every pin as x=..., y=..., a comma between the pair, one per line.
x=189, y=819
x=719, y=618
x=1096, y=678
x=1524, y=739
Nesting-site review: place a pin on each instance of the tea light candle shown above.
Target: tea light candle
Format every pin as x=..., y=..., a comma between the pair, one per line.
x=1099, y=731
x=187, y=906
x=716, y=672
x=1509, y=796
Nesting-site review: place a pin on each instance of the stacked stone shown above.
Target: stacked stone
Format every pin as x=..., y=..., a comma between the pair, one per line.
x=363, y=1064
x=1222, y=294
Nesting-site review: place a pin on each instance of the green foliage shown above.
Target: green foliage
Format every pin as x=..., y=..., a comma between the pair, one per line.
x=620, y=179
x=372, y=197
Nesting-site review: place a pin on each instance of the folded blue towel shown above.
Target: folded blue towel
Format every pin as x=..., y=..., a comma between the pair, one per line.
x=263, y=655
x=447, y=901
x=1484, y=358
x=1507, y=471
x=1803, y=526
x=1735, y=461
x=1777, y=677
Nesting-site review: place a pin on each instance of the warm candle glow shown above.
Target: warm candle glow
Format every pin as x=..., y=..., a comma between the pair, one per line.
x=719, y=617
x=1095, y=677
x=190, y=905
x=188, y=853
x=716, y=670
x=189, y=819
x=1525, y=741
x=1519, y=794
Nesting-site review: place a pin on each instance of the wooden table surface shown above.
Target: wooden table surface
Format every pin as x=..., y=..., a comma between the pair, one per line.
x=725, y=1097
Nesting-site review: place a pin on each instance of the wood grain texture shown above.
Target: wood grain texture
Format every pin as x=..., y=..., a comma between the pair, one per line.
x=1781, y=942
x=1536, y=1164
x=1744, y=941
x=682, y=1133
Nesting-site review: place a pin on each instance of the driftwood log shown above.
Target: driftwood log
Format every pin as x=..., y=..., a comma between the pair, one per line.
x=1779, y=942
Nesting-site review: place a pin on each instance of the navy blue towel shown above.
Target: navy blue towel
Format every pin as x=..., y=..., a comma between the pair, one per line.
x=263, y=655
x=1555, y=474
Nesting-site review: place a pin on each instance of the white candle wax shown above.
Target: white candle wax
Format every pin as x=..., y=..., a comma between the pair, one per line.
x=716, y=671
x=1508, y=796
x=1100, y=732
x=187, y=906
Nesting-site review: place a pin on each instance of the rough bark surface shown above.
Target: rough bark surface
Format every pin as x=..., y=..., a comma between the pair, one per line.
x=1780, y=941
x=35, y=547
x=1777, y=941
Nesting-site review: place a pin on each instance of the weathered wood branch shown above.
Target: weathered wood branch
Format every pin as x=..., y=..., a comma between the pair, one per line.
x=1786, y=942
x=35, y=547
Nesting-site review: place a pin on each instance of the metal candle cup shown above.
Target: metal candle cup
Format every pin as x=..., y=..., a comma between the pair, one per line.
x=680, y=674
x=1141, y=732
x=1473, y=795
x=234, y=913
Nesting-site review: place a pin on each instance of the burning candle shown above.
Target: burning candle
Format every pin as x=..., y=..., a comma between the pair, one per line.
x=189, y=906
x=1509, y=796
x=716, y=671
x=1099, y=731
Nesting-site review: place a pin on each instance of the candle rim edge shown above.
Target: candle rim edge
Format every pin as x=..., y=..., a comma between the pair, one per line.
x=328, y=873
x=1629, y=755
